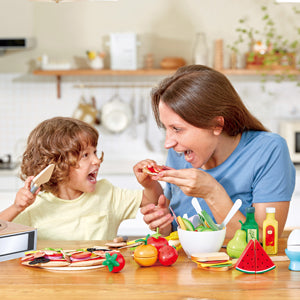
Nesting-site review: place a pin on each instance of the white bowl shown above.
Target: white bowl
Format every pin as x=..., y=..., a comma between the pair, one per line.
x=194, y=242
x=96, y=63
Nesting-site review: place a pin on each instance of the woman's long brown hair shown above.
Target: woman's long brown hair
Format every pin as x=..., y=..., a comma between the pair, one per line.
x=199, y=94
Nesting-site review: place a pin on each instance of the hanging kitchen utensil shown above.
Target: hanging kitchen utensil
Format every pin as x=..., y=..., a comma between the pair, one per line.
x=97, y=119
x=85, y=111
x=147, y=140
x=116, y=115
x=142, y=115
x=134, y=118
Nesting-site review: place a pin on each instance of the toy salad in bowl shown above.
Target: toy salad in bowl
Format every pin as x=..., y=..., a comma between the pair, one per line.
x=204, y=238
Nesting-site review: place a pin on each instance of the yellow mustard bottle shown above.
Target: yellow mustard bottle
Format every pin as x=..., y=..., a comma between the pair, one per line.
x=270, y=232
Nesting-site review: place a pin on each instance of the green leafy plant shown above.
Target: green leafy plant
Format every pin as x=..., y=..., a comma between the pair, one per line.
x=268, y=50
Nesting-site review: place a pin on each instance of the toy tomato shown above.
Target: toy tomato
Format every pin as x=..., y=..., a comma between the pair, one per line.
x=115, y=262
x=167, y=255
x=157, y=241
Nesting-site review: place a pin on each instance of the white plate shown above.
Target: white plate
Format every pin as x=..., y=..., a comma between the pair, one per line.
x=73, y=268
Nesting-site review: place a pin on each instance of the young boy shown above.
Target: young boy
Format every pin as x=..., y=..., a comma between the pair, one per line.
x=73, y=205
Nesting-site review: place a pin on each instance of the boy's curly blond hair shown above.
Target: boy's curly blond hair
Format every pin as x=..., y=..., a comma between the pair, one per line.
x=58, y=141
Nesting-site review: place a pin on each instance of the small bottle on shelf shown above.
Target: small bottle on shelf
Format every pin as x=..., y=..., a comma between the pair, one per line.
x=270, y=232
x=250, y=225
x=200, y=51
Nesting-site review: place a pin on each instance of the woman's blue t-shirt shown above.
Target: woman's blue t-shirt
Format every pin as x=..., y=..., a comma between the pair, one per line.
x=258, y=170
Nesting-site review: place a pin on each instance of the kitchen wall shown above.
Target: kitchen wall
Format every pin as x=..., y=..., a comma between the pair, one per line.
x=165, y=28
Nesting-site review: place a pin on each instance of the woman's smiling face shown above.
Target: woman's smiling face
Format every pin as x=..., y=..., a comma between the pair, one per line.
x=197, y=144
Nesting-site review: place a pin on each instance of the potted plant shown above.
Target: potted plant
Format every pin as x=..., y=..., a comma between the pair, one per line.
x=267, y=50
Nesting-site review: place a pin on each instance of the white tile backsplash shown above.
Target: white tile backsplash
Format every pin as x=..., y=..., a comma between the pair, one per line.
x=26, y=100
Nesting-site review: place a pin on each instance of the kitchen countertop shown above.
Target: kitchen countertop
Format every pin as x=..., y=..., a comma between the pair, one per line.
x=183, y=280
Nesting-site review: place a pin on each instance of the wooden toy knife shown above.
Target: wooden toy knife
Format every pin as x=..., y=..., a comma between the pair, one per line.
x=43, y=177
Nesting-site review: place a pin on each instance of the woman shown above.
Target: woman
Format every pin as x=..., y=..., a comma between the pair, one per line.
x=220, y=153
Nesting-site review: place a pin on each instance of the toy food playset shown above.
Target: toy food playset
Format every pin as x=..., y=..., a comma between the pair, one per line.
x=270, y=232
x=254, y=259
x=155, y=249
x=250, y=225
x=60, y=259
x=213, y=261
x=237, y=245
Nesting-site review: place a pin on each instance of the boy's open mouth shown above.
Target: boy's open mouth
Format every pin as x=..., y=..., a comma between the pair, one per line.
x=92, y=177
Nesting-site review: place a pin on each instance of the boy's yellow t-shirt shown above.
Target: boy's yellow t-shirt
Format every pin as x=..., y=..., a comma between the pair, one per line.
x=92, y=216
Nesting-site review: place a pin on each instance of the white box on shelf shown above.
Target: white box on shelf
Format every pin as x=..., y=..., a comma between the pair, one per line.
x=123, y=51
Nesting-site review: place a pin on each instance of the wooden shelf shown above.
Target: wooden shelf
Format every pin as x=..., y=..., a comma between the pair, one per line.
x=104, y=72
x=245, y=72
x=149, y=72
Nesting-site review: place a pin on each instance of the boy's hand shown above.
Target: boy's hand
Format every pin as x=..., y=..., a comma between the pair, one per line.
x=24, y=197
x=144, y=179
x=158, y=216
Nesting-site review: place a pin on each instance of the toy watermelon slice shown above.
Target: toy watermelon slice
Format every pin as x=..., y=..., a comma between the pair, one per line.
x=254, y=259
x=263, y=262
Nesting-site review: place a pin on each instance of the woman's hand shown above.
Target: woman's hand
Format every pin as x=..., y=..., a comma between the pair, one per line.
x=192, y=182
x=158, y=216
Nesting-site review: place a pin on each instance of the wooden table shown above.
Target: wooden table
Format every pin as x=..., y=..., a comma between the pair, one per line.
x=183, y=280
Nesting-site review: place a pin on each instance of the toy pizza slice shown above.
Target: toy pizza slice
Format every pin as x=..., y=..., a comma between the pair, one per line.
x=154, y=170
x=45, y=258
x=65, y=258
x=85, y=257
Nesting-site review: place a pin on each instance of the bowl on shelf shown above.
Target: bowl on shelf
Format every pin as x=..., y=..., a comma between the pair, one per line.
x=96, y=63
x=194, y=242
x=172, y=63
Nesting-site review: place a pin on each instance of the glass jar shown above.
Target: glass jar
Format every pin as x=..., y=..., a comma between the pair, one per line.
x=200, y=51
